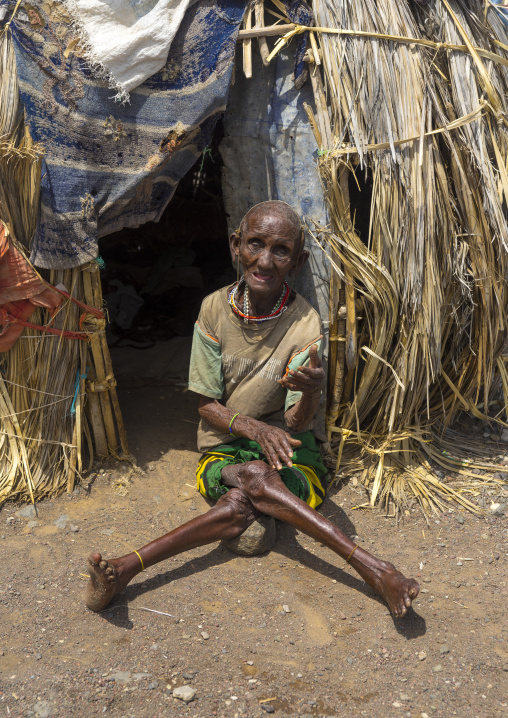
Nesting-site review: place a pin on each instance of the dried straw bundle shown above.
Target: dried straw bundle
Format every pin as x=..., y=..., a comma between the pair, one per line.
x=42, y=378
x=418, y=308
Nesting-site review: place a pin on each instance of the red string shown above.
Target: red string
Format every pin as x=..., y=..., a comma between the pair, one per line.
x=6, y=318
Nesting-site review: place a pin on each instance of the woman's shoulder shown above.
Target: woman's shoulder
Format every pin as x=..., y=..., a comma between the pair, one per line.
x=302, y=309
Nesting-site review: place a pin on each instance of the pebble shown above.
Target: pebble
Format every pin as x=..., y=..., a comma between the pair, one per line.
x=405, y=697
x=396, y=704
x=184, y=693
x=74, y=529
x=205, y=636
x=504, y=435
x=437, y=669
x=33, y=524
x=120, y=677
x=286, y=608
x=153, y=685
x=61, y=522
x=422, y=656
x=267, y=708
x=444, y=650
x=28, y=512
x=10, y=520
x=43, y=709
x=484, y=537
x=460, y=520
x=497, y=509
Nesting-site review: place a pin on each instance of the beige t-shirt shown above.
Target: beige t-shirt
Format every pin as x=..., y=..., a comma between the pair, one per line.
x=240, y=364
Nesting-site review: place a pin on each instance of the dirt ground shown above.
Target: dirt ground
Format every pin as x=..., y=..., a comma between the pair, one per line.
x=293, y=631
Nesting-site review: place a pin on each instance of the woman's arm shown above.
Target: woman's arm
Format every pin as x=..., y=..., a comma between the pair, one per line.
x=275, y=443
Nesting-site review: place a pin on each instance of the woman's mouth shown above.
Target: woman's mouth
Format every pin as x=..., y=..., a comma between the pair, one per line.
x=262, y=277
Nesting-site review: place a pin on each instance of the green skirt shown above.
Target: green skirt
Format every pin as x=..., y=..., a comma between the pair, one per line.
x=306, y=479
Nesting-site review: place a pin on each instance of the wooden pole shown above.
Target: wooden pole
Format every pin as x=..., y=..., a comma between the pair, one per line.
x=247, y=45
x=259, y=14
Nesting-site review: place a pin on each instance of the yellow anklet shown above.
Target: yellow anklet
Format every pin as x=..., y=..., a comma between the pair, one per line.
x=142, y=564
x=348, y=558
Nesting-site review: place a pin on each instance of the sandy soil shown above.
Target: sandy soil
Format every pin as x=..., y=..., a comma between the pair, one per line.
x=336, y=652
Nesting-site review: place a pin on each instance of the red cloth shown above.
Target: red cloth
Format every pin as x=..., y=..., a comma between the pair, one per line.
x=21, y=291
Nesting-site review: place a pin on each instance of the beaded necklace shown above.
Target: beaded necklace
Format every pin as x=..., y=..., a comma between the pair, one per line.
x=279, y=308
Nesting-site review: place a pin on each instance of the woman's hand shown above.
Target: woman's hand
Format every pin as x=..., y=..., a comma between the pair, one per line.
x=276, y=444
x=309, y=380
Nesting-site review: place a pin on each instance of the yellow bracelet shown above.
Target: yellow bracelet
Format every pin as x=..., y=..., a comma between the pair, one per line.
x=142, y=564
x=231, y=424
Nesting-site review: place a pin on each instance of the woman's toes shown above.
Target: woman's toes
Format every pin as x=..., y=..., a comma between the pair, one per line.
x=103, y=564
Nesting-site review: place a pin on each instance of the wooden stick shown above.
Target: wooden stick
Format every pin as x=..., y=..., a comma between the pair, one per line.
x=247, y=45
x=315, y=49
x=270, y=31
x=351, y=339
x=100, y=370
x=109, y=371
x=259, y=13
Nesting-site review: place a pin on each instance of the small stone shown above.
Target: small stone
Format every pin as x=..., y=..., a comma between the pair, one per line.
x=267, y=708
x=422, y=656
x=153, y=685
x=28, y=512
x=497, y=509
x=276, y=639
x=396, y=704
x=437, y=669
x=484, y=537
x=350, y=661
x=33, y=524
x=504, y=435
x=184, y=693
x=120, y=677
x=61, y=522
x=427, y=580
x=460, y=520
x=73, y=528
x=10, y=520
x=43, y=709
x=424, y=715
x=154, y=647
x=259, y=537
x=205, y=636
x=286, y=608
x=444, y=650
x=38, y=656
x=405, y=697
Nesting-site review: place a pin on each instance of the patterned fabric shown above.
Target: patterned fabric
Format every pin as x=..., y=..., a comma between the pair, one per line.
x=306, y=479
x=109, y=166
x=502, y=8
x=300, y=13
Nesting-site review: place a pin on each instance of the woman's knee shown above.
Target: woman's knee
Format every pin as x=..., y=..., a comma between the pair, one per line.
x=255, y=477
x=241, y=511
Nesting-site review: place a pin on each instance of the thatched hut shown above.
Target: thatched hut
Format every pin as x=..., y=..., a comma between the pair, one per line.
x=384, y=124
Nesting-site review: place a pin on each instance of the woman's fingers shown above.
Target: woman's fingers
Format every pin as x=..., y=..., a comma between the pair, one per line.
x=315, y=361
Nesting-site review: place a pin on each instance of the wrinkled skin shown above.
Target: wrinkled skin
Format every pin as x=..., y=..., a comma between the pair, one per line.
x=269, y=248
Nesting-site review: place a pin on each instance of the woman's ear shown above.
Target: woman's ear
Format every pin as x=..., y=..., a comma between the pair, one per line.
x=234, y=247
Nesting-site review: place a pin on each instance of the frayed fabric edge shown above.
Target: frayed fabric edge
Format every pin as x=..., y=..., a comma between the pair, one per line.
x=96, y=66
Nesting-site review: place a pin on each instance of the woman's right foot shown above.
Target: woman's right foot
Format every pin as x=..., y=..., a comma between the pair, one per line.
x=107, y=579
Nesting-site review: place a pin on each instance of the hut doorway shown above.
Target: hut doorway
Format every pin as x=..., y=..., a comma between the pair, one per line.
x=154, y=279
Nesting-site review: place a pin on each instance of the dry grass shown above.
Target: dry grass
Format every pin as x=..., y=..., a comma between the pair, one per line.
x=418, y=307
x=42, y=378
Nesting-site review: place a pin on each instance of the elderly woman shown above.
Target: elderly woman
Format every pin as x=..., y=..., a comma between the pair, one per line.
x=255, y=363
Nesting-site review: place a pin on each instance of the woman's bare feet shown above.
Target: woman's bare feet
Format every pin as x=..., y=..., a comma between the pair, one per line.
x=108, y=578
x=397, y=590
